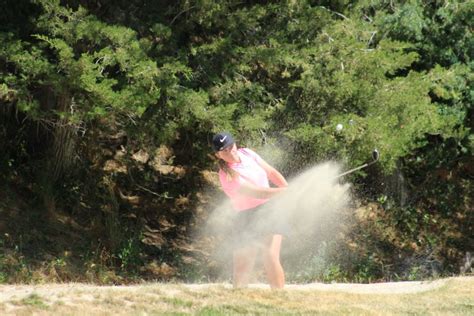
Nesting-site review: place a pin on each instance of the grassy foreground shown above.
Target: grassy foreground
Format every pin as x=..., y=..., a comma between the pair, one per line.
x=453, y=296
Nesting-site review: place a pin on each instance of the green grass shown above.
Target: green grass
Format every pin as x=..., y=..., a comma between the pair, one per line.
x=34, y=300
x=178, y=302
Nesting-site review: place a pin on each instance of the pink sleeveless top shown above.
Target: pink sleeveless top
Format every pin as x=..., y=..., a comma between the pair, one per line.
x=249, y=170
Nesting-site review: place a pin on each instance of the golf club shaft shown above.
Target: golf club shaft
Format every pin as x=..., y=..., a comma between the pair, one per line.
x=355, y=169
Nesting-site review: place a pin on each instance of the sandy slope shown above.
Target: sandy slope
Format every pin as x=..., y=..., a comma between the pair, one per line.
x=451, y=295
x=61, y=291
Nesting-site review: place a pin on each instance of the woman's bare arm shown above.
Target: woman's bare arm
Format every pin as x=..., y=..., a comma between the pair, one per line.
x=273, y=175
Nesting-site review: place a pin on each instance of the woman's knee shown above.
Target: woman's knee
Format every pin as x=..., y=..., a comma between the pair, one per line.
x=242, y=264
x=244, y=258
x=271, y=254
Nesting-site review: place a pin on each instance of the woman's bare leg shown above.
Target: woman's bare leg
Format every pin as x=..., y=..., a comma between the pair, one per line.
x=271, y=261
x=244, y=260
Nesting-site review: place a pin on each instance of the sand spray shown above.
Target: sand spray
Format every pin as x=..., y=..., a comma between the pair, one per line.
x=311, y=206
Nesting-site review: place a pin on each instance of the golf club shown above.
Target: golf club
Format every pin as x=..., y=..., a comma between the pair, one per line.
x=375, y=158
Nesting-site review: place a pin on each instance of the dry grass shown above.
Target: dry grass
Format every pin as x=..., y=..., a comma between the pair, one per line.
x=454, y=296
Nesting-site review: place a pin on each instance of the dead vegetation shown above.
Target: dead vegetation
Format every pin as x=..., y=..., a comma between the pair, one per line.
x=454, y=296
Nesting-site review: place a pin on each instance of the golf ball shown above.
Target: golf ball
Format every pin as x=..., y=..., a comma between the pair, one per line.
x=338, y=127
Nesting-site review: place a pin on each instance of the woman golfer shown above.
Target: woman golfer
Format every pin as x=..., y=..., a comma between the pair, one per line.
x=245, y=178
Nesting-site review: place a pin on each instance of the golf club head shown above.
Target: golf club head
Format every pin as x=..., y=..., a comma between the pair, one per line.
x=375, y=155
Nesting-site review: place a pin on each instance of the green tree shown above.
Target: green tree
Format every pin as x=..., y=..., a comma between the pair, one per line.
x=72, y=71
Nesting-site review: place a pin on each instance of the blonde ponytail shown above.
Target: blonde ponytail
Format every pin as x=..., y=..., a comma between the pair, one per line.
x=230, y=173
